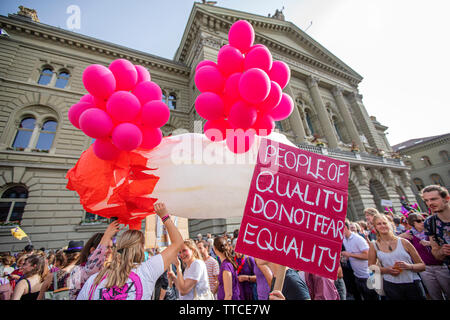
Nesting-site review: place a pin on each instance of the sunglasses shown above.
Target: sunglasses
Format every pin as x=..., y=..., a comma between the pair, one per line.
x=420, y=220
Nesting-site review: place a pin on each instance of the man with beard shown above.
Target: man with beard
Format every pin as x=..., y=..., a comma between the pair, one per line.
x=437, y=226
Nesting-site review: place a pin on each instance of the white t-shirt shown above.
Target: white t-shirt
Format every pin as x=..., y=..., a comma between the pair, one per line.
x=357, y=244
x=147, y=272
x=196, y=271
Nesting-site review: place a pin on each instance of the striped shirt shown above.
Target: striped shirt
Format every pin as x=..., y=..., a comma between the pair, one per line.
x=212, y=266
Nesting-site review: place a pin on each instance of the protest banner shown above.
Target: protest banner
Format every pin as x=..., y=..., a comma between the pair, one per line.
x=295, y=210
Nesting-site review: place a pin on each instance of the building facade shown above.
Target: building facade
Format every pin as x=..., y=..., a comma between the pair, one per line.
x=429, y=161
x=40, y=78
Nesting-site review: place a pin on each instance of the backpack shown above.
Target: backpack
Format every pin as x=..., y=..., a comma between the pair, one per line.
x=433, y=232
x=57, y=293
x=116, y=293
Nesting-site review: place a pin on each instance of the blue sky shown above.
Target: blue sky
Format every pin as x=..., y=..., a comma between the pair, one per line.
x=400, y=47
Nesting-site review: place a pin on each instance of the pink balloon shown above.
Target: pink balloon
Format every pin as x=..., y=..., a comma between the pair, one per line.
x=125, y=73
x=231, y=90
x=88, y=98
x=99, y=81
x=105, y=150
x=230, y=60
x=240, y=141
x=254, y=85
x=151, y=137
x=127, y=136
x=216, y=130
x=280, y=73
x=155, y=114
x=123, y=106
x=209, y=79
x=100, y=103
x=258, y=45
x=209, y=106
x=75, y=112
x=142, y=74
x=205, y=63
x=241, y=35
x=273, y=99
x=284, y=108
x=147, y=91
x=242, y=115
x=264, y=125
x=96, y=123
x=259, y=57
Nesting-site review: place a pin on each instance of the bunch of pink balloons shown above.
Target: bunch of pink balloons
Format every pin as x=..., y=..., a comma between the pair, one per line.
x=123, y=110
x=241, y=94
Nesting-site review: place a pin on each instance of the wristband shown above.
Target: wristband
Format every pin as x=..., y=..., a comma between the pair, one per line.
x=164, y=219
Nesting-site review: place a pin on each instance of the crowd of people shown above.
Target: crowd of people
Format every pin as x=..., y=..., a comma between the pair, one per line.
x=410, y=256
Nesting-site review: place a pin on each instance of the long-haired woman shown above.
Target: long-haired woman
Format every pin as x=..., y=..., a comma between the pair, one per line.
x=399, y=261
x=193, y=282
x=28, y=287
x=228, y=277
x=128, y=276
x=92, y=258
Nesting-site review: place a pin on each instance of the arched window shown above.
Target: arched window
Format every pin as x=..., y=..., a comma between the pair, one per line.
x=335, y=120
x=436, y=179
x=419, y=183
x=24, y=133
x=62, y=79
x=46, y=135
x=172, y=101
x=309, y=121
x=164, y=98
x=426, y=160
x=444, y=155
x=12, y=204
x=46, y=76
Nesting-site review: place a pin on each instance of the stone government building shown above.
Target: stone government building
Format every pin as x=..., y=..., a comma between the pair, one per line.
x=40, y=78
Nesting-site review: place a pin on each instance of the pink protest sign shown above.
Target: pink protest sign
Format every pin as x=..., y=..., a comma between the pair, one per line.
x=295, y=210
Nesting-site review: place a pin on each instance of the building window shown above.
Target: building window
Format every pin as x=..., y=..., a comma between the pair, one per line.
x=309, y=122
x=30, y=136
x=172, y=101
x=12, y=204
x=436, y=179
x=164, y=98
x=46, y=76
x=426, y=160
x=337, y=129
x=46, y=135
x=62, y=80
x=24, y=133
x=419, y=183
x=90, y=218
x=278, y=125
x=444, y=155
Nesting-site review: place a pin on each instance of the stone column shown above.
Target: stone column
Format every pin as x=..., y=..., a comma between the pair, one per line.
x=322, y=112
x=296, y=120
x=363, y=119
x=345, y=113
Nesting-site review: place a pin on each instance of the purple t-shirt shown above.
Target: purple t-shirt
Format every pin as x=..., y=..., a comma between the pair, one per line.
x=262, y=287
x=423, y=251
x=227, y=266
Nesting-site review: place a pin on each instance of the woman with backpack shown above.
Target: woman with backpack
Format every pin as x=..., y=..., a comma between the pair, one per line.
x=128, y=276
